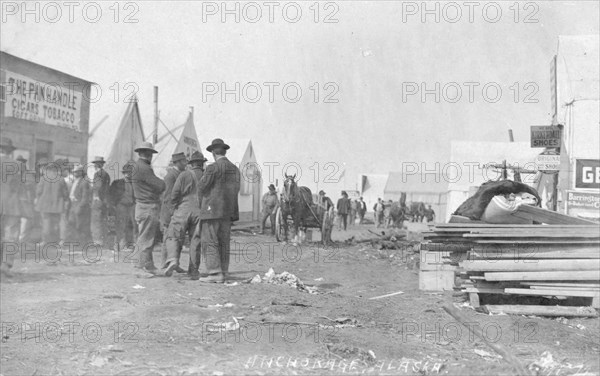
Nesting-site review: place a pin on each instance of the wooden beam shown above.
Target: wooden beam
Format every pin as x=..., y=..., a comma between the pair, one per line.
x=547, y=216
x=537, y=310
x=561, y=284
x=557, y=292
x=543, y=276
x=531, y=265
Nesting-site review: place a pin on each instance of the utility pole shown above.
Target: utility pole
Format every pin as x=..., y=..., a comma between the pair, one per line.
x=155, y=138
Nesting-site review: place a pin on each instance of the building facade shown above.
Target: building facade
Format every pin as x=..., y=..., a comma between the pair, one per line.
x=45, y=112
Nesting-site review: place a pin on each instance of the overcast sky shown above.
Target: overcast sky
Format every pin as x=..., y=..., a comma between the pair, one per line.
x=376, y=53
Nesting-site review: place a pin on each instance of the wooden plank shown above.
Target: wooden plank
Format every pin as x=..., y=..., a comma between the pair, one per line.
x=548, y=216
x=561, y=284
x=543, y=276
x=535, y=287
x=492, y=225
x=531, y=265
x=537, y=310
x=589, y=294
x=533, y=235
x=537, y=241
x=483, y=290
x=474, y=299
x=537, y=248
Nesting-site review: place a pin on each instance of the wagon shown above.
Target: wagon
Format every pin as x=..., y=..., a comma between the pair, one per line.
x=318, y=218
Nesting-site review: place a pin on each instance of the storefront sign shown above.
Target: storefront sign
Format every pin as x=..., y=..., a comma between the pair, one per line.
x=587, y=173
x=583, y=205
x=55, y=103
x=545, y=136
x=548, y=162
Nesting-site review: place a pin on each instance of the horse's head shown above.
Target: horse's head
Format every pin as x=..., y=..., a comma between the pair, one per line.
x=289, y=186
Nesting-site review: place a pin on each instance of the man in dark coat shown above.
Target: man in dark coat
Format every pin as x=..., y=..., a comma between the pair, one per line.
x=147, y=188
x=52, y=199
x=80, y=196
x=10, y=205
x=343, y=208
x=179, y=162
x=218, y=193
x=122, y=199
x=27, y=196
x=185, y=219
x=270, y=203
x=362, y=210
x=100, y=186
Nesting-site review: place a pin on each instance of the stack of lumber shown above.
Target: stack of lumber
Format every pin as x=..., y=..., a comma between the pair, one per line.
x=559, y=260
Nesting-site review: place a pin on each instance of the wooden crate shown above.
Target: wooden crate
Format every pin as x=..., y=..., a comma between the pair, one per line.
x=436, y=280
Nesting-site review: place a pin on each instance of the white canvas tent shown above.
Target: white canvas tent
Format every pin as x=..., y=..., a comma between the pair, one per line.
x=372, y=187
x=129, y=135
x=175, y=140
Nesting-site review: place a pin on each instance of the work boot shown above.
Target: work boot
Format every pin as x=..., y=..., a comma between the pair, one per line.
x=170, y=268
x=180, y=270
x=213, y=278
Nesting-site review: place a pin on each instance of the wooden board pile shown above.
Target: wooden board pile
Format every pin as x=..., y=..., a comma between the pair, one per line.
x=558, y=260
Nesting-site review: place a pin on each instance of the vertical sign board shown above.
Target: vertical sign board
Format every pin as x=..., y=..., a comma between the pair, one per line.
x=587, y=173
x=545, y=136
x=584, y=205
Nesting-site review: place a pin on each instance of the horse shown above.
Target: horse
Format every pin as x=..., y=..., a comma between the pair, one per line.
x=397, y=214
x=416, y=210
x=296, y=201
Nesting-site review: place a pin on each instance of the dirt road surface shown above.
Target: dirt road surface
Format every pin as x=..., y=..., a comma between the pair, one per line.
x=91, y=314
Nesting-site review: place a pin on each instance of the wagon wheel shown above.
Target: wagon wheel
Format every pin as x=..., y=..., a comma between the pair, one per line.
x=326, y=226
x=279, y=226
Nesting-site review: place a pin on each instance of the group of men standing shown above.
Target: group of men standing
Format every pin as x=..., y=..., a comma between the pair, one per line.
x=191, y=200
x=349, y=210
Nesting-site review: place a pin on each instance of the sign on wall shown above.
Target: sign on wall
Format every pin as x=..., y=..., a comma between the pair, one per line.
x=583, y=205
x=545, y=136
x=547, y=162
x=587, y=173
x=55, y=103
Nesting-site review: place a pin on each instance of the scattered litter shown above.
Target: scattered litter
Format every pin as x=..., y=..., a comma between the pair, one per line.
x=113, y=296
x=343, y=322
x=137, y=287
x=485, y=354
x=224, y=326
x=256, y=279
x=99, y=361
x=372, y=354
x=579, y=326
x=387, y=295
x=285, y=278
x=319, y=279
x=113, y=348
x=231, y=283
x=226, y=305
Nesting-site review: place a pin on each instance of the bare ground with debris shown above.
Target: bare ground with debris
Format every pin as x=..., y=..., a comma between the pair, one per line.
x=77, y=317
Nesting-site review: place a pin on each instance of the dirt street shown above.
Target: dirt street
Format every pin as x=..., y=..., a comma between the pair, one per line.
x=92, y=315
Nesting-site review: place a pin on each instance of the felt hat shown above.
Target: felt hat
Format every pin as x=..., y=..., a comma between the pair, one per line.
x=98, y=160
x=78, y=167
x=322, y=193
x=7, y=143
x=272, y=187
x=178, y=157
x=197, y=156
x=20, y=158
x=145, y=146
x=217, y=142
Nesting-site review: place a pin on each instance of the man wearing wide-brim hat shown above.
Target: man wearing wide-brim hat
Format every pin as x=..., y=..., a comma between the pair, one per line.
x=122, y=199
x=178, y=164
x=100, y=186
x=270, y=204
x=10, y=205
x=218, y=196
x=186, y=215
x=147, y=188
x=80, y=196
x=52, y=199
